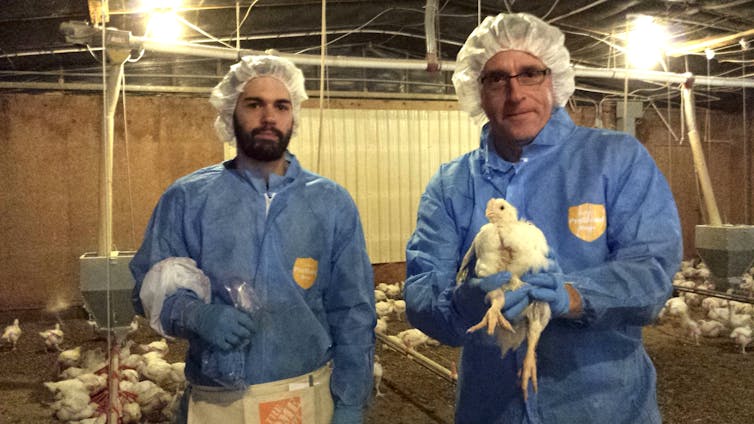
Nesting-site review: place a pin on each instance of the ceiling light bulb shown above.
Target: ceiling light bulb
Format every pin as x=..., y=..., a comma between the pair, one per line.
x=646, y=42
x=709, y=53
x=163, y=26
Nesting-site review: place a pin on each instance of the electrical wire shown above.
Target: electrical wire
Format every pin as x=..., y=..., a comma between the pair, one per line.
x=243, y=20
x=544, y=17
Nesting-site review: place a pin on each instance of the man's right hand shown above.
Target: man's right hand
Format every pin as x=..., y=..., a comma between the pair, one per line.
x=221, y=325
x=470, y=301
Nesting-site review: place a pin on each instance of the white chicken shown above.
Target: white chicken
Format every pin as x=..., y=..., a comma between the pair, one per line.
x=72, y=400
x=12, y=333
x=691, y=328
x=131, y=413
x=383, y=309
x=742, y=337
x=711, y=328
x=94, y=359
x=710, y=303
x=377, y=374
x=69, y=358
x=168, y=376
x=413, y=338
x=393, y=291
x=52, y=337
x=742, y=307
x=159, y=346
x=152, y=399
x=517, y=246
x=399, y=307
x=381, y=326
x=675, y=307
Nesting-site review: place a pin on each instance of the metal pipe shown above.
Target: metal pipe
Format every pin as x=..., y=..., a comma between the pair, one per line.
x=112, y=91
x=194, y=49
x=237, y=39
x=700, y=166
x=419, y=358
x=380, y=63
x=206, y=90
x=713, y=293
x=430, y=19
x=671, y=77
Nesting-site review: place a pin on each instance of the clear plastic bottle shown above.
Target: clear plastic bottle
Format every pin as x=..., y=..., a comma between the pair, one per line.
x=228, y=367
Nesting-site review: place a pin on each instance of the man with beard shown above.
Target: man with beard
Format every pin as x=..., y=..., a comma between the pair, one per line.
x=262, y=266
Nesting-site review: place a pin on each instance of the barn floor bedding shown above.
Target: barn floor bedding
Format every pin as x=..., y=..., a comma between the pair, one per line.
x=710, y=383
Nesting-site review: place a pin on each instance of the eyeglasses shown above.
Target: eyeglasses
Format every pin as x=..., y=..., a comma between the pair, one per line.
x=496, y=80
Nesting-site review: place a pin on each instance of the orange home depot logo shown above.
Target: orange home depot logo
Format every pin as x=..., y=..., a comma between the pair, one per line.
x=305, y=272
x=587, y=221
x=283, y=411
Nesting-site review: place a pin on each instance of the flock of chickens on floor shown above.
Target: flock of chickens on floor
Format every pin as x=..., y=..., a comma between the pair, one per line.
x=723, y=318
x=150, y=387
x=390, y=305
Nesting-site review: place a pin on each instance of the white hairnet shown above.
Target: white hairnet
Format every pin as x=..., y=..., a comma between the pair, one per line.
x=225, y=94
x=518, y=31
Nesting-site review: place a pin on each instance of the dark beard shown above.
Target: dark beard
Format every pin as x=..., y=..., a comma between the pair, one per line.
x=261, y=150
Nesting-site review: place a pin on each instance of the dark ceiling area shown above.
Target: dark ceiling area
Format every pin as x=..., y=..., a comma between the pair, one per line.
x=392, y=36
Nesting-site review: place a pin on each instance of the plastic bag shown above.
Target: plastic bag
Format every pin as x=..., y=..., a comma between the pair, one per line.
x=228, y=367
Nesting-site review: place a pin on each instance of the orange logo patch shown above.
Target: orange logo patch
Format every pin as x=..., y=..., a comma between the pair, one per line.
x=283, y=411
x=305, y=272
x=587, y=221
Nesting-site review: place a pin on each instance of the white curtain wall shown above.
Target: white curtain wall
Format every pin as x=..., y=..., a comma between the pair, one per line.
x=384, y=158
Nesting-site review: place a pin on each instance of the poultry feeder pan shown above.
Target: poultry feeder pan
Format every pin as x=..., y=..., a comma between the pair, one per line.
x=106, y=285
x=728, y=251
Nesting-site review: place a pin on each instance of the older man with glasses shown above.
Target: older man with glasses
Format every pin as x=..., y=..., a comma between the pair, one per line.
x=609, y=218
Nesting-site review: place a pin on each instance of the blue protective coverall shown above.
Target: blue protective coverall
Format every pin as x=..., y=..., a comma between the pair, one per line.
x=218, y=216
x=613, y=227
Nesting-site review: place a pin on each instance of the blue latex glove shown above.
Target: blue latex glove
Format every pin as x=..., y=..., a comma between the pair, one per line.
x=469, y=297
x=347, y=415
x=550, y=288
x=490, y=282
x=220, y=325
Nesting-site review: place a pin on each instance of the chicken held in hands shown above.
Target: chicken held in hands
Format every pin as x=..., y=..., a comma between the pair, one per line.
x=517, y=246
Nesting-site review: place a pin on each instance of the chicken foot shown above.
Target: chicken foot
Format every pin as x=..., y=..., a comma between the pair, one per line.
x=493, y=317
x=528, y=371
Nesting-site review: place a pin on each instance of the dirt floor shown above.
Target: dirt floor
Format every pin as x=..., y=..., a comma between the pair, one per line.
x=709, y=383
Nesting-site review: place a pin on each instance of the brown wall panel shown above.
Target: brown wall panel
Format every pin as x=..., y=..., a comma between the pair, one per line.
x=50, y=172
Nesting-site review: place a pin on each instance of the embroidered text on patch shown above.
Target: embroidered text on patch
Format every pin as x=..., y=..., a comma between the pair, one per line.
x=305, y=272
x=587, y=221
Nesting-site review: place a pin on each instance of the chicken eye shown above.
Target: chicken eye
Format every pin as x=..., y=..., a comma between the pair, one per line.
x=502, y=208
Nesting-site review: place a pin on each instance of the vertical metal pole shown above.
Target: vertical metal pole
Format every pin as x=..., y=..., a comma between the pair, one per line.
x=113, y=84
